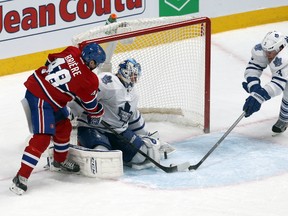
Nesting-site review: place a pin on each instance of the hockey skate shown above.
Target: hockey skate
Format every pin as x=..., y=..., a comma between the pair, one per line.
x=280, y=126
x=19, y=185
x=67, y=165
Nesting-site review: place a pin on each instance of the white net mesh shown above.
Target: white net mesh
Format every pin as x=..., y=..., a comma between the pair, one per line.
x=173, y=63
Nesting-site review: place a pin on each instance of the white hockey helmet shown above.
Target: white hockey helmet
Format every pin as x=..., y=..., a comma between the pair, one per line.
x=273, y=41
x=129, y=72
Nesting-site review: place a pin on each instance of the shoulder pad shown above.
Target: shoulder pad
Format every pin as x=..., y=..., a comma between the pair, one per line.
x=280, y=61
x=258, y=54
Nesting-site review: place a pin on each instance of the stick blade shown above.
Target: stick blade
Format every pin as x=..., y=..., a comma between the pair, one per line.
x=193, y=167
x=183, y=167
x=177, y=168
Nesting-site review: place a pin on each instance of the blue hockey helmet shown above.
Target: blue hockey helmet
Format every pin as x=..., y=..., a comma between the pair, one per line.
x=129, y=72
x=93, y=51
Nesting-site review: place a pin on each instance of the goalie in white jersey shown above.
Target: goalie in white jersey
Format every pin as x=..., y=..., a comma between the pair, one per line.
x=272, y=52
x=119, y=99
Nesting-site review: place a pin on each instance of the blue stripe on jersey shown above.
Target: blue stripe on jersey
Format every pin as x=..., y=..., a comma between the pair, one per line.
x=255, y=66
x=280, y=79
x=278, y=85
x=139, y=128
x=279, y=82
x=91, y=105
x=135, y=121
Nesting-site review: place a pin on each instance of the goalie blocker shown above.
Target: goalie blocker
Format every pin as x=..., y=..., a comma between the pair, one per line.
x=93, y=163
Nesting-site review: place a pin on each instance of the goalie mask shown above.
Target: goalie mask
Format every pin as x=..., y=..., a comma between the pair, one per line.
x=94, y=52
x=129, y=72
x=273, y=41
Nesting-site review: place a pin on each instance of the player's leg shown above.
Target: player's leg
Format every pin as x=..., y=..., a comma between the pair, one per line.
x=282, y=122
x=93, y=139
x=61, y=141
x=43, y=125
x=131, y=157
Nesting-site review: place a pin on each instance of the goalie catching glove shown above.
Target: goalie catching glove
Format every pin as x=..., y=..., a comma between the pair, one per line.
x=254, y=101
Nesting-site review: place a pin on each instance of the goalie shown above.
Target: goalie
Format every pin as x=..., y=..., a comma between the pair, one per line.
x=119, y=99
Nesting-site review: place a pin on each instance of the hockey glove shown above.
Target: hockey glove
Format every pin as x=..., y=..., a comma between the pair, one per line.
x=252, y=84
x=254, y=101
x=95, y=118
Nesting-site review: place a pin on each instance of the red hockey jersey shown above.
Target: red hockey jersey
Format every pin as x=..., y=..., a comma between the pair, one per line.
x=65, y=78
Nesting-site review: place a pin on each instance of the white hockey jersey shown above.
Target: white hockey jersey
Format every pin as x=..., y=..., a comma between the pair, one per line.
x=278, y=67
x=120, y=106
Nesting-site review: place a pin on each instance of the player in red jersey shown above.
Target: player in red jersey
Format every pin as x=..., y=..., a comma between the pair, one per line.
x=66, y=76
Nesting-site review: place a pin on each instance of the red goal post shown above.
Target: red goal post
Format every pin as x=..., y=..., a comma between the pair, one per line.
x=174, y=53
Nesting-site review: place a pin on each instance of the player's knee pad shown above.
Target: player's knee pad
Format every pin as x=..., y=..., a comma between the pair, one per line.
x=63, y=131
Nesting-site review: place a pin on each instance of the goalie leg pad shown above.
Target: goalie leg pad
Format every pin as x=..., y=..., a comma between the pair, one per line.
x=95, y=163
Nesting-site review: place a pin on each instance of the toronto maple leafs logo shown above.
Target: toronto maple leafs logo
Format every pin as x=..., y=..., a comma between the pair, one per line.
x=277, y=62
x=107, y=79
x=258, y=47
x=125, y=113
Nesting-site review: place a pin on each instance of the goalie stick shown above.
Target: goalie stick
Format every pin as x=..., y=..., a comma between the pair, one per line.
x=194, y=167
x=170, y=169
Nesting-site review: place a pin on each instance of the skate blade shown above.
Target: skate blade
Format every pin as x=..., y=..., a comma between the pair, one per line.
x=276, y=134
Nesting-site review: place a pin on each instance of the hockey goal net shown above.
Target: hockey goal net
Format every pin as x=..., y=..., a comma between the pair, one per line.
x=174, y=53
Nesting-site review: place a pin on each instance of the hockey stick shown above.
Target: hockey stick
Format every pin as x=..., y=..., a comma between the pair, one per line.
x=170, y=169
x=194, y=167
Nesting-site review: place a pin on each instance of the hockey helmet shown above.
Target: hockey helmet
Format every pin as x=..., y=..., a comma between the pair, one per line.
x=93, y=51
x=129, y=72
x=273, y=41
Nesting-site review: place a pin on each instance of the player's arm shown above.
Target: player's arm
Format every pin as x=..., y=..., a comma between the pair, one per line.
x=70, y=50
x=276, y=86
x=279, y=69
x=254, y=69
x=137, y=124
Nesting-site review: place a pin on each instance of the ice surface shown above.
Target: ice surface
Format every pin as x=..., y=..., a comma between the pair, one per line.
x=246, y=175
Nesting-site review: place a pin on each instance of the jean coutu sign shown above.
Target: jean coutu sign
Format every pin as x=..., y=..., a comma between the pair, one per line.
x=27, y=18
